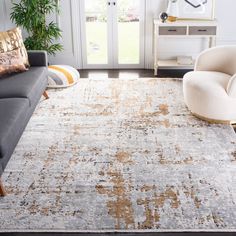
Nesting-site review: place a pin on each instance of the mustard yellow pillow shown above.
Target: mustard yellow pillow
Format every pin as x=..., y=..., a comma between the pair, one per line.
x=11, y=40
x=11, y=62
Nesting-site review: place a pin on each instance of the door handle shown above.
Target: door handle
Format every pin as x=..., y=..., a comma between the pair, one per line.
x=109, y=3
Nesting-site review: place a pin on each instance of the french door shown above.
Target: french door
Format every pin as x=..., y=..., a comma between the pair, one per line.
x=112, y=33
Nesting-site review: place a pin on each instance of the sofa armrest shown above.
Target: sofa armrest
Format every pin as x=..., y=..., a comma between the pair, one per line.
x=231, y=88
x=219, y=59
x=38, y=58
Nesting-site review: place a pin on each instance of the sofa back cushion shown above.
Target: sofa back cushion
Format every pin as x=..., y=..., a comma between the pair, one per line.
x=11, y=62
x=11, y=40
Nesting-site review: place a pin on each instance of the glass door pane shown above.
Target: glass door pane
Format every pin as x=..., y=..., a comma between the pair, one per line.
x=96, y=30
x=128, y=13
x=112, y=33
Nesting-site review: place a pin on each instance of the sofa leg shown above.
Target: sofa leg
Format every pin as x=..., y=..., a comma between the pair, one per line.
x=45, y=94
x=2, y=190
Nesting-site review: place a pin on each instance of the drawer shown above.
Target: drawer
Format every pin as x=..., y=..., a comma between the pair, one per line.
x=176, y=30
x=202, y=30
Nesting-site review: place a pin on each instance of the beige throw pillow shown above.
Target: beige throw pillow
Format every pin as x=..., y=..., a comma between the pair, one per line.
x=12, y=40
x=11, y=62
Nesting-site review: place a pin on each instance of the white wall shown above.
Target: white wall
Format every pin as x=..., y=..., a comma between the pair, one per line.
x=67, y=20
x=225, y=15
x=70, y=25
x=5, y=8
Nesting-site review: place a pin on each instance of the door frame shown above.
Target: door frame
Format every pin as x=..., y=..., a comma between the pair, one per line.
x=112, y=38
x=85, y=64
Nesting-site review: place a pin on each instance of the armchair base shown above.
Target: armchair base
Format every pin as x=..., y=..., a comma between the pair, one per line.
x=212, y=121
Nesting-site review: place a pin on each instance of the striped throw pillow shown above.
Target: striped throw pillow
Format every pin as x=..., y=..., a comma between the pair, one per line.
x=61, y=76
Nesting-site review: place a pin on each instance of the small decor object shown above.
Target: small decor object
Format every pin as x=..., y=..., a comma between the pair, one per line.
x=163, y=17
x=11, y=62
x=197, y=9
x=32, y=16
x=173, y=10
x=184, y=60
x=12, y=40
x=62, y=76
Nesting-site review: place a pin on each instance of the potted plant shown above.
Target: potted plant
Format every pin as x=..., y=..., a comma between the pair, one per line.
x=31, y=15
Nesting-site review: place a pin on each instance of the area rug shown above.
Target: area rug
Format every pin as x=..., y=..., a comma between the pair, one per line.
x=120, y=155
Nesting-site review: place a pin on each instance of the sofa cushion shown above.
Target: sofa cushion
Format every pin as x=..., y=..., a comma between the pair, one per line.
x=12, y=119
x=11, y=62
x=23, y=85
x=11, y=40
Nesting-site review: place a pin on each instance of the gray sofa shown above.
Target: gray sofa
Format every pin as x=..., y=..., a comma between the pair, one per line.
x=19, y=96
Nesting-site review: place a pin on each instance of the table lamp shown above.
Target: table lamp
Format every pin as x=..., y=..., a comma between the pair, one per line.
x=173, y=10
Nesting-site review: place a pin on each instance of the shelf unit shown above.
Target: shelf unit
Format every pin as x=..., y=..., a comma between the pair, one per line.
x=180, y=29
x=165, y=64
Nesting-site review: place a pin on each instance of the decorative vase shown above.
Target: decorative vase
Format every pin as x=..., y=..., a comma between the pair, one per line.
x=163, y=17
x=172, y=18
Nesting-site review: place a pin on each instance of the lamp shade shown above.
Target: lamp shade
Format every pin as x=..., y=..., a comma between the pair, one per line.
x=173, y=8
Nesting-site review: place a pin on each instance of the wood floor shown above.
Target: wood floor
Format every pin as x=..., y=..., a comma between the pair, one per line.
x=124, y=234
x=121, y=74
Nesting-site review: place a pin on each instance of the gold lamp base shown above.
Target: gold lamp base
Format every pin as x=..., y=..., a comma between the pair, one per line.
x=172, y=18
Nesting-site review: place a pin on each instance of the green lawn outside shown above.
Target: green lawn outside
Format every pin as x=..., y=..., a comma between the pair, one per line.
x=128, y=45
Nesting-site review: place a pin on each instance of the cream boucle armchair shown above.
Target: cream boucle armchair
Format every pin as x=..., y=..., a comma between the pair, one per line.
x=210, y=90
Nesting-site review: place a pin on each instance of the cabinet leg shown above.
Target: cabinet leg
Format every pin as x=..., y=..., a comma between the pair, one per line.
x=212, y=42
x=2, y=190
x=155, y=71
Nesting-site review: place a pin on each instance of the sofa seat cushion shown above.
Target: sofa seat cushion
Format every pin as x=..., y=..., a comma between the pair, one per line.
x=23, y=85
x=13, y=112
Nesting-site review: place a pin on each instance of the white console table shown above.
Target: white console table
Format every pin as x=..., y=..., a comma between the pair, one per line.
x=188, y=29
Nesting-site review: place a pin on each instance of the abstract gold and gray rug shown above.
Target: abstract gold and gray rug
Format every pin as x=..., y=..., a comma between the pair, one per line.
x=120, y=155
